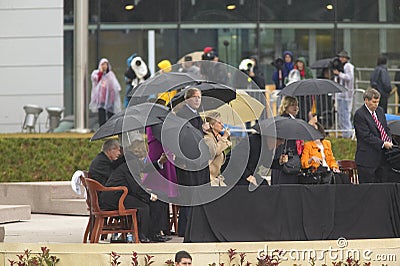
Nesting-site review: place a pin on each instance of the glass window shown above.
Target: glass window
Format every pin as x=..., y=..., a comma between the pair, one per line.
x=143, y=11
x=211, y=10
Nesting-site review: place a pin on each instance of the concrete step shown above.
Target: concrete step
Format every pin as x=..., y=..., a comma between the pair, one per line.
x=44, y=197
x=68, y=206
x=13, y=213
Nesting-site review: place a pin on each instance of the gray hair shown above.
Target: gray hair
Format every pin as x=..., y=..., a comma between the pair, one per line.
x=370, y=94
x=110, y=144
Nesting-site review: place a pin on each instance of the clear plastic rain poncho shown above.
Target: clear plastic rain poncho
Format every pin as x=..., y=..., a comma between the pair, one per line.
x=105, y=90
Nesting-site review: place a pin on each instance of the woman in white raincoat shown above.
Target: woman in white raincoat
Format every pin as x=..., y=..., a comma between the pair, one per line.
x=105, y=97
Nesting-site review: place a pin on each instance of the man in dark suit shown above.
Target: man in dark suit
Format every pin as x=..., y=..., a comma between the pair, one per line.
x=106, y=161
x=373, y=138
x=151, y=212
x=188, y=174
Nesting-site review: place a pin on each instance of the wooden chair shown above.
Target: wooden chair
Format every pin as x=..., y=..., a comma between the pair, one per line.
x=90, y=224
x=349, y=167
x=109, y=222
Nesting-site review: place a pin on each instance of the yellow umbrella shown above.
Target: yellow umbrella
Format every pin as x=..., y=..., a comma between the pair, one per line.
x=196, y=56
x=240, y=110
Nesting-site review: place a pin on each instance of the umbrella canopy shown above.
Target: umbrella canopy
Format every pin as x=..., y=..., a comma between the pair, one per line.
x=161, y=83
x=394, y=127
x=322, y=63
x=196, y=56
x=287, y=128
x=243, y=108
x=312, y=87
x=216, y=94
x=133, y=118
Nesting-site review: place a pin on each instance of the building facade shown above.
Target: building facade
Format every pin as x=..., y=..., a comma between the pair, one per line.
x=39, y=41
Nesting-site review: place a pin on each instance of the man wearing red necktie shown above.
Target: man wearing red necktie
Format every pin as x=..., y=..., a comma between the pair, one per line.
x=373, y=138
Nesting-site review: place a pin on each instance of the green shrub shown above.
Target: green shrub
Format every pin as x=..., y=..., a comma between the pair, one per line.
x=343, y=148
x=45, y=159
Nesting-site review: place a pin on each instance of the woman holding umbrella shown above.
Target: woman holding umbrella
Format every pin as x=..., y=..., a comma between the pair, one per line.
x=289, y=108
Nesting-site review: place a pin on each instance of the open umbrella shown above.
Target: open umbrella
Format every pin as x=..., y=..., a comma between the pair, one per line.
x=161, y=83
x=133, y=118
x=322, y=63
x=196, y=56
x=312, y=87
x=243, y=108
x=394, y=127
x=214, y=94
x=287, y=128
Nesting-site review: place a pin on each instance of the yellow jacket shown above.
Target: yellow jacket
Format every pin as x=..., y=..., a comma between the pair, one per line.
x=311, y=149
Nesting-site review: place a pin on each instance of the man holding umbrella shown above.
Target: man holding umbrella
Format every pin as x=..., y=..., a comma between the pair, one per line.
x=186, y=176
x=345, y=77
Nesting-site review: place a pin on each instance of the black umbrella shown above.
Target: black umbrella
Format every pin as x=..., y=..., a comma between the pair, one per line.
x=394, y=127
x=161, y=83
x=287, y=128
x=133, y=118
x=214, y=94
x=312, y=87
x=322, y=63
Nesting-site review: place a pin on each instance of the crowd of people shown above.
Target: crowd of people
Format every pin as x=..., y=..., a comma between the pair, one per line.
x=114, y=167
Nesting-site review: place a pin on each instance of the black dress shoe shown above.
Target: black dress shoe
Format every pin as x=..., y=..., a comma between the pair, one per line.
x=158, y=238
x=145, y=240
x=167, y=238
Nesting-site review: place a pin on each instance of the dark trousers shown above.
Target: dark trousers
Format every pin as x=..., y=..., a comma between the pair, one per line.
x=372, y=174
x=383, y=102
x=104, y=116
x=158, y=216
x=184, y=213
x=143, y=213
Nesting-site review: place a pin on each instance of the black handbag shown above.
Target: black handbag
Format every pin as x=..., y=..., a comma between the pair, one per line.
x=293, y=165
x=320, y=176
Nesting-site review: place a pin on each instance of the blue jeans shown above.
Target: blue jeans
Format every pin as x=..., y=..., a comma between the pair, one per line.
x=344, y=116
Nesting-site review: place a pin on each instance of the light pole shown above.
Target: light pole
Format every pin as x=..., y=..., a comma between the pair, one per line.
x=335, y=30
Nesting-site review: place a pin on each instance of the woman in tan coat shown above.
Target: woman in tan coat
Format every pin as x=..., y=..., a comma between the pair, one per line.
x=217, y=144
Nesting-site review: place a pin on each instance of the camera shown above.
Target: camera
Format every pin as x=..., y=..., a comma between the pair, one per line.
x=138, y=62
x=278, y=63
x=336, y=64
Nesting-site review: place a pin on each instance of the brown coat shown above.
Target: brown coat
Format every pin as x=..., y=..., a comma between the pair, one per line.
x=311, y=149
x=217, y=148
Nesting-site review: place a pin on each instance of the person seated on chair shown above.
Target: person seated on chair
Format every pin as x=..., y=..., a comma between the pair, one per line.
x=152, y=216
x=318, y=153
x=106, y=161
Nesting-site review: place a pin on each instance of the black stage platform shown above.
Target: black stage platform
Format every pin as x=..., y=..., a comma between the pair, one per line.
x=298, y=212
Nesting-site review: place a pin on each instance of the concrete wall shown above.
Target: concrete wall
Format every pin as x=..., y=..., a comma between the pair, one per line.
x=31, y=65
x=44, y=197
